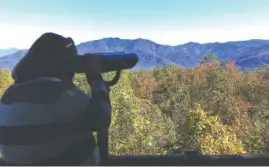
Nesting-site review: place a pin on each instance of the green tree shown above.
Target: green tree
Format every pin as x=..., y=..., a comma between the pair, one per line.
x=138, y=127
x=207, y=134
x=210, y=58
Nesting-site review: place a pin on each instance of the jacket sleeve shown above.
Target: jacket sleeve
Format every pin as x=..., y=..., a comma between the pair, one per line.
x=75, y=108
x=97, y=114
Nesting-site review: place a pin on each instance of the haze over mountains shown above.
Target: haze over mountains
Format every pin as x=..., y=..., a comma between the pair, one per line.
x=4, y=52
x=246, y=54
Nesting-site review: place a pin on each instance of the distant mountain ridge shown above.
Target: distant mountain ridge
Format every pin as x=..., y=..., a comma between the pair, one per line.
x=246, y=54
x=4, y=52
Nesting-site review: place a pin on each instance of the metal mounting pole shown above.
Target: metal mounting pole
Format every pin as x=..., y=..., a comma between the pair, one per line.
x=102, y=135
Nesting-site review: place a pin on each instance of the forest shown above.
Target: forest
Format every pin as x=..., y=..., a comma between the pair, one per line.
x=213, y=108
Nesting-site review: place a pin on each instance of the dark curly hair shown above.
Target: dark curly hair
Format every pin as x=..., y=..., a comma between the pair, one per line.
x=50, y=56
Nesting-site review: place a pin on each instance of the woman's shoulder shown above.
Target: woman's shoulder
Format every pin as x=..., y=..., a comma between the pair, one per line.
x=42, y=90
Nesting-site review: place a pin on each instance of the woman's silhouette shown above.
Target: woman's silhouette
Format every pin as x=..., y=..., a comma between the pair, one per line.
x=44, y=118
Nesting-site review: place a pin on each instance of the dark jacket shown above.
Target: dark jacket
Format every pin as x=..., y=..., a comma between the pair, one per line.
x=42, y=119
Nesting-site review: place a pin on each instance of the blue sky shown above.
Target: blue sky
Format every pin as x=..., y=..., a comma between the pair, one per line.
x=163, y=21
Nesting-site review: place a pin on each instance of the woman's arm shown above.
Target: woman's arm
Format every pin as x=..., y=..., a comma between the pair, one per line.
x=97, y=114
x=75, y=108
x=94, y=113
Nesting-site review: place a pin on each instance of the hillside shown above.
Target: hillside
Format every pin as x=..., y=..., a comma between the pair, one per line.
x=246, y=54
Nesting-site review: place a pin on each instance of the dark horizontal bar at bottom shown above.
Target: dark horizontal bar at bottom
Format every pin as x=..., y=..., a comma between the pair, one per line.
x=178, y=160
x=182, y=160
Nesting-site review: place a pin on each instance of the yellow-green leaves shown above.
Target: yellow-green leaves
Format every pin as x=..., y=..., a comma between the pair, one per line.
x=5, y=79
x=138, y=127
x=209, y=135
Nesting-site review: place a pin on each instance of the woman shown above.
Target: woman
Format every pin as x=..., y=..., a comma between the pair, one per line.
x=44, y=118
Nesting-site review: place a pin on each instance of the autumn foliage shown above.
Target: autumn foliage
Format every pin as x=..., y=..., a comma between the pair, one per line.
x=213, y=108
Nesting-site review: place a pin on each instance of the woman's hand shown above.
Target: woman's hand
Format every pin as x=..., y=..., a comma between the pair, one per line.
x=93, y=70
x=93, y=64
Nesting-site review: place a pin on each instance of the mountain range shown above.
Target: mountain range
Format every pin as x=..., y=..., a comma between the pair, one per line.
x=4, y=52
x=246, y=54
